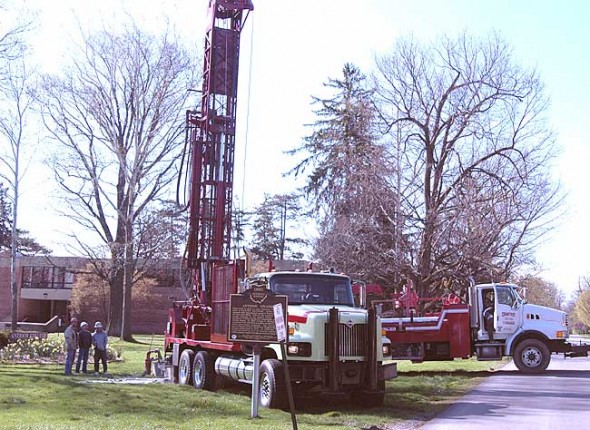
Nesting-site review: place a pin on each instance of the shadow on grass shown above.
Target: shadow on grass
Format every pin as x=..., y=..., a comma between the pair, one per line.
x=396, y=406
x=151, y=402
x=132, y=340
x=486, y=373
x=46, y=373
x=458, y=373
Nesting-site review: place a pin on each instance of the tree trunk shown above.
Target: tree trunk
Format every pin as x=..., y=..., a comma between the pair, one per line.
x=126, y=306
x=116, y=302
x=429, y=217
x=14, y=290
x=13, y=248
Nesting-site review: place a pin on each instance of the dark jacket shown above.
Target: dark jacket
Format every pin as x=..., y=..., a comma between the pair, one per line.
x=84, y=339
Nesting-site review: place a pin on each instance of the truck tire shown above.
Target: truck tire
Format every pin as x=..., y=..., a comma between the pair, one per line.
x=185, y=365
x=532, y=356
x=369, y=399
x=203, y=371
x=273, y=391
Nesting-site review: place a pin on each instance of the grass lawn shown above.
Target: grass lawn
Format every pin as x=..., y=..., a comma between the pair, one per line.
x=41, y=397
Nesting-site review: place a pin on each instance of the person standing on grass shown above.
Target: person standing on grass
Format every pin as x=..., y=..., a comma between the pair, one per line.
x=71, y=335
x=84, y=344
x=99, y=340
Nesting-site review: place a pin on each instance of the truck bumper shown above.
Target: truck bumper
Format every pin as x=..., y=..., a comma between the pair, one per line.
x=349, y=374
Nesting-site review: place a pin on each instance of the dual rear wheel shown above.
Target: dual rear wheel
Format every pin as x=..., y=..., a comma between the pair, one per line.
x=196, y=370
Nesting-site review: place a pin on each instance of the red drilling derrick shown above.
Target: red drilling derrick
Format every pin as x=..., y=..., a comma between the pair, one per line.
x=211, y=133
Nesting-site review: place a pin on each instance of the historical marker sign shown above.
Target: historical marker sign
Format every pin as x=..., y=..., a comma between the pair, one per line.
x=252, y=316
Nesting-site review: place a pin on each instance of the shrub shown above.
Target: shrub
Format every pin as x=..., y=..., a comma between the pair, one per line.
x=4, y=334
x=50, y=349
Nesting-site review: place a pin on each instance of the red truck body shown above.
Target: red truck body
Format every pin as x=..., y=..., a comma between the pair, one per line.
x=440, y=335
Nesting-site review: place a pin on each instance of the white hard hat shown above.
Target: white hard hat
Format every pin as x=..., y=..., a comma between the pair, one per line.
x=84, y=324
x=97, y=324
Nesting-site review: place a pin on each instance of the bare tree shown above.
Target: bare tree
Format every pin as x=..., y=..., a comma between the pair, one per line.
x=116, y=116
x=91, y=294
x=541, y=292
x=476, y=152
x=161, y=233
x=16, y=105
x=12, y=46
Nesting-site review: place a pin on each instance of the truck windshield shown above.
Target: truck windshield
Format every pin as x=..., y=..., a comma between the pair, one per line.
x=508, y=295
x=517, y=296
x=313, y=289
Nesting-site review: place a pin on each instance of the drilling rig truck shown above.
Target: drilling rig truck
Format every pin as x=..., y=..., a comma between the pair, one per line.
x=333, y=346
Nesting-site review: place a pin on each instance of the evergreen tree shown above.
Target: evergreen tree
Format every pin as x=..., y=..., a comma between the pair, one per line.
x=348, y=174
x=240, y=221
x=5, y=226
x=272, y=218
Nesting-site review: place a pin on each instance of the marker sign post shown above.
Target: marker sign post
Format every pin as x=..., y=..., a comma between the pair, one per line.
x=257, y=317
x=278, y=310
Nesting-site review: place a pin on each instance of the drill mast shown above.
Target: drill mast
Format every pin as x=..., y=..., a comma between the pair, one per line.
x=211, y=133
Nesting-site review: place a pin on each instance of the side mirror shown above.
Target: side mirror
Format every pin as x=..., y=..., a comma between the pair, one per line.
x=361, y=287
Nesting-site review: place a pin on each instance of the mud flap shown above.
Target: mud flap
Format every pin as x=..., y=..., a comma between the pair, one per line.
x=389, y=371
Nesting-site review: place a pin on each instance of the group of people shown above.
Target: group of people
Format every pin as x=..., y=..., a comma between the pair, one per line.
x=82, y=341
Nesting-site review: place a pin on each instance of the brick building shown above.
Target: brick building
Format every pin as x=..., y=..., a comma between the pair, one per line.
x=45, y=284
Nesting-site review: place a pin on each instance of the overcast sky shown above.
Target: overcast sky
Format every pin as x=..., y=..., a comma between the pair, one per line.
x=290, y=48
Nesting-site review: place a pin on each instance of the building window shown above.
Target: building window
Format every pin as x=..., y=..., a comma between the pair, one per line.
x=46, y=277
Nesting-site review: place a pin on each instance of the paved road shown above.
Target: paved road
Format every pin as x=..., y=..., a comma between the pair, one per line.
x=558, y=399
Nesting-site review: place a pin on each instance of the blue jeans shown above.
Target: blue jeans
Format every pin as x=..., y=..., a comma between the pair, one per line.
x=82, y=359
x=71, y=355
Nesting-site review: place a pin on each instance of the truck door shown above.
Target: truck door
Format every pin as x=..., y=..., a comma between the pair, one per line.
x=507, y=318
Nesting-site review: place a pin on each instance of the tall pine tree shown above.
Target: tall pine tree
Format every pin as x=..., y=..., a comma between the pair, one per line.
x=347, y=178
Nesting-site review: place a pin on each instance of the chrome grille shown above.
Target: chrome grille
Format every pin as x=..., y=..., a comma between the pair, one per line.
x=353, y=340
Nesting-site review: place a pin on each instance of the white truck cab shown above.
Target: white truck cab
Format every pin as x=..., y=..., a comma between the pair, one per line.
x=505, y=324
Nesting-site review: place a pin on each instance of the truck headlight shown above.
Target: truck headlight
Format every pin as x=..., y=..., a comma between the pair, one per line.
x=299, y=349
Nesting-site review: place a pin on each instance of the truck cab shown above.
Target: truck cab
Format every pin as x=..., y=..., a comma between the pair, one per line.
x=334, y=346
x=503, y=323
x=498, y=311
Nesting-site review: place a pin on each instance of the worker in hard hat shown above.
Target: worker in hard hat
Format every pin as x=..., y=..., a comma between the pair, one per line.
x=84, y=344
x=71, y=336
x=100, y=341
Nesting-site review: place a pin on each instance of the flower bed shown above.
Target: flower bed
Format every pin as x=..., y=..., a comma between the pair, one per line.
x=50, y=350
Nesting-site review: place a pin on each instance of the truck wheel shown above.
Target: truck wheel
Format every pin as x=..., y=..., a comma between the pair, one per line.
x=531, y=356
x=369, y=399
x=184, y=367
x=203, y=371
x=272, y=385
